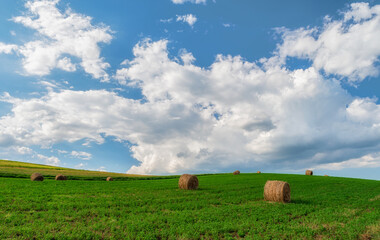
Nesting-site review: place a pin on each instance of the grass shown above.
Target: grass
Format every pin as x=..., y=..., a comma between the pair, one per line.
x=224, y=207
x=24, y=170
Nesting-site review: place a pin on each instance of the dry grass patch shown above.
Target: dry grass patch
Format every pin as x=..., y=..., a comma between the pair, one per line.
x=372, y=232
x=375, y=198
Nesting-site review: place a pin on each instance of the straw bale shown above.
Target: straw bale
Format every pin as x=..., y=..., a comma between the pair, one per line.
x=277, y=191
x=309, y=172
x=36, y=177
x=60, y=177
x=188, y=182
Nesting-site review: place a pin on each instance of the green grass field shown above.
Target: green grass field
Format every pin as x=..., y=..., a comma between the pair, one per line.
x=224, y=207
x=24, y=170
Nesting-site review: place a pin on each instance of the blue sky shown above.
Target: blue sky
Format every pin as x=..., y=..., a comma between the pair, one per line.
x=174, y=86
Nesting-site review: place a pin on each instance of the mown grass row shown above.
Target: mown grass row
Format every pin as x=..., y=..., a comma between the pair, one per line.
x=224, y=207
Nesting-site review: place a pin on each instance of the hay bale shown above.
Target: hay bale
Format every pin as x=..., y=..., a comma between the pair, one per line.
x=36, y=177
x=109, y=179
x=326, y=175
x=277, y=191
x=258, y=172
x=60, y=177
x=188, y=182
x=309, y=172
x=237, y=172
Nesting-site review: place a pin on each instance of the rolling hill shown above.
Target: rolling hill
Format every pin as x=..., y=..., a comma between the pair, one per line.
x=24, y=170
x=225, y=206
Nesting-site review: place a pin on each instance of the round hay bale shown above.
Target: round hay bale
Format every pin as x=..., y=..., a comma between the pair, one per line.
x=36, y=177
x=309, y=172
x=326, y=175
x=188, y=182
x=109, y=179
x=60, y=177
x=237, y=172
x=277, y=191
x=258, y=172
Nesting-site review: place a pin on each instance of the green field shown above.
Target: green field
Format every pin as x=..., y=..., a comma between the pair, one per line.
x=24, y=170
x=225, y=206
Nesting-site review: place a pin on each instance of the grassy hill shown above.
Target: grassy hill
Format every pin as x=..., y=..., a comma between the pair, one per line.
x=24, y=170
x=225, y=206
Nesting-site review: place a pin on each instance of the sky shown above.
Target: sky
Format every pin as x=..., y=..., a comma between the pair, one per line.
x=192, y=86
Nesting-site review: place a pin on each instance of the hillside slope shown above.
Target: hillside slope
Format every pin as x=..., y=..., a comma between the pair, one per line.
x=24, y=170
x=225, y=206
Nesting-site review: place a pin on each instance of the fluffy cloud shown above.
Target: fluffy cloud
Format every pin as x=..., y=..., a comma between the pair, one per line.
x=347, y=47
x=7, y=48
x=22, y=150
x=49, y=160
x=61, y=35
x=190, y=1
x=234, y=113
x=366, y=161
x=81, y=155
x=188, y=18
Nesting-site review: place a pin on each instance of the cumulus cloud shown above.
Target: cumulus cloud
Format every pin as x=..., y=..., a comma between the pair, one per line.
x=189, y=1
x=347, y=47
x=49, y=160
x=366, y=161
x=264, y=115
x=22, y=150
x=233, y=113
x=81, y=155
x=61, y=36
x=7, y=48
x=188, y=18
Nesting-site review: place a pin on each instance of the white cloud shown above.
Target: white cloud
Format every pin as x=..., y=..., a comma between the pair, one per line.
x=188, y=18
x=366, y=161
x=228, y=25
x=66, y=65
x=186, y=57
x=234, y=113
x=169, y=20
x=49, y=160
x=7, y=48
x=80, y=165
x=24, y=150
x=81, y=155
x=61, y=35
x=347, y=47
x=101, y=169
x=190, y=1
